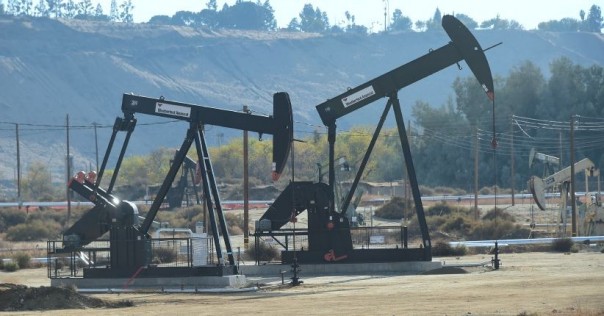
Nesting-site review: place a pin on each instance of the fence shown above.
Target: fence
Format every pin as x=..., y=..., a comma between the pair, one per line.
x=362, y=238
x=165, y=252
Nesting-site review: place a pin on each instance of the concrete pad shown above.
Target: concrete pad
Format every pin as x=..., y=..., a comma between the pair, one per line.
x=229, y=281
x=407, y=267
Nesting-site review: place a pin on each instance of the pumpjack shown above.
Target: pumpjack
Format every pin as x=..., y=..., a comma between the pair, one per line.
x=190, y=172
x=129, y=241
x=329, y=234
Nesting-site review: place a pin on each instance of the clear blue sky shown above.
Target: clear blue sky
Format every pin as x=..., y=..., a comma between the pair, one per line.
x=371, y=12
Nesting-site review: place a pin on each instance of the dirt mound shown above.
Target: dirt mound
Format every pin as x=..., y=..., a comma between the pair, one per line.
x=446, y=270
x=22, y=298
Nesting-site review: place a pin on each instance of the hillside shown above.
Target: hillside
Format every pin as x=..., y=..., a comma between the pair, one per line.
x=51, y=68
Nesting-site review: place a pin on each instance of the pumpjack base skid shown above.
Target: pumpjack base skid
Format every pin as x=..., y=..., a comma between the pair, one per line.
x=356, y=256
x=160, y=272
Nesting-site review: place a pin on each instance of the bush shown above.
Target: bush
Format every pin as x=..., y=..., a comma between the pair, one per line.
x=443, y=249
x=497, y=229
x=235, y=230
x=499, y=214
x=164, y=255
x=11, y=266
x=265, y=252
x=22, y=259
x=33, y=231
x=234, y=221
x=11, y=217
x=457, y=224
x=562, y=244
x=394, y=209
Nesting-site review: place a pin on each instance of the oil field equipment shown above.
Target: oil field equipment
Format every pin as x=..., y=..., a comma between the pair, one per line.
x=590, y=213
x=329, y=233
x=130, y=244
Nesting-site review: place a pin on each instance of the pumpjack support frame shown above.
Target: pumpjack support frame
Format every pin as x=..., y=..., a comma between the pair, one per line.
x=332, y=225
x=130, y=241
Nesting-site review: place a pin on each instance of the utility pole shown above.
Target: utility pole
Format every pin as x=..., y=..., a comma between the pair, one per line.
x=18, y=166
x=246, y=193
x=386, y=7
x=560, y=145
x=572, y=178
x=96, y=146
x=476, y=174
x=512, y=160
x=407, y=187
x=68, y=161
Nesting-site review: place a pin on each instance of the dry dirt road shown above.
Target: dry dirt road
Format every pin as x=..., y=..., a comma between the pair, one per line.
x=526, y=284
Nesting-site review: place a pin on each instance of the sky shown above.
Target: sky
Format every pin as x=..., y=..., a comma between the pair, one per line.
x=371, y=12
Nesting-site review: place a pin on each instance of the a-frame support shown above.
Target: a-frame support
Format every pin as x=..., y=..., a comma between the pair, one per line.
x=393, y=103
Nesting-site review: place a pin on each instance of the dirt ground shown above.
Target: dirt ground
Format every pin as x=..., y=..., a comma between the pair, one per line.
x=526, y=284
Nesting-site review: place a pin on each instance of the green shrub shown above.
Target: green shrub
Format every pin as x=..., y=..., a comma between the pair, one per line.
x=33, y=231
x=11, y=266
x=562, y=244
x=443, y=249
x=264, y=252
x=22, y=259
x=1, y=263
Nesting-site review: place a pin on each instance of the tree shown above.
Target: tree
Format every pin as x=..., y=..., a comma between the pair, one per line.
x=248, y=16
x=37, y=183
x=98, y=11
x=186, y=18
x=593, y=23
x=470, y=23
x=114, y=15
x=126, y=11
x=26, y=7
x=434, y=24
x=55, y=7
x=400, y=22
x=352, y=27
x=71, y=9
x=522, y=92
x=211, y=5
x=498, y=23
x=312, y=20
x=85, y=8
x=563, y=25
x=444, y=128
x=208, y=18
x=13, y=7
x=470, y=100
x=41, y=9
x=160, y=20
x=293, y=25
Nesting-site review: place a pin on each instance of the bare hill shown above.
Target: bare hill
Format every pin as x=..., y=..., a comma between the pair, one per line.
x=51, y=68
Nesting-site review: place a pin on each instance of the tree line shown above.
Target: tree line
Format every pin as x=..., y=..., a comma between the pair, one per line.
x=449, y=142
x=70, y=9
x=258, y=15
